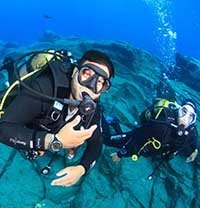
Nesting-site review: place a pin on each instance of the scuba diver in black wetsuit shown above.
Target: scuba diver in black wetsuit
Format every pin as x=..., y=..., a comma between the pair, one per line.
x=46, y=115
x=168, y=129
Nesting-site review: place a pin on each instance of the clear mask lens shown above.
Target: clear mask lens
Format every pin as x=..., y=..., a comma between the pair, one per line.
x=187, y=115
x=93, y=79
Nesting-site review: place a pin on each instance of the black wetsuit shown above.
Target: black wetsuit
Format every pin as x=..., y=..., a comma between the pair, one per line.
x=165, y=138
x=24, y=124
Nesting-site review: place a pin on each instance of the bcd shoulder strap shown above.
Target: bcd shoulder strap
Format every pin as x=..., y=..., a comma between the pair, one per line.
x=161, y=111
x=59, y=63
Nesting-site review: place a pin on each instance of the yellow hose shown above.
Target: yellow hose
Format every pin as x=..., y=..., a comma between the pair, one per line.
x=12, y=87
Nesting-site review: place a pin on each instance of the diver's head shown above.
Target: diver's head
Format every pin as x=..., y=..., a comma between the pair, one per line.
x=92, y=75
x=187, y=113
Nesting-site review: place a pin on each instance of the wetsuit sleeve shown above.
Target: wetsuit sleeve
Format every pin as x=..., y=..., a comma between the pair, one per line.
x=132, y=145
x=191, y=142
x=117, y=140
x=128, y=149
x=138, y=137
x=94, y=146
x=13, y=125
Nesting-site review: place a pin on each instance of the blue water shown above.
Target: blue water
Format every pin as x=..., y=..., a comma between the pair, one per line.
x=161, y=27
x=138, y=22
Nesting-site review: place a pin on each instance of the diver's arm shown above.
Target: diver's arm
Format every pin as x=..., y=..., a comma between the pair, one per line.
x=70, y=175
x=193, y=156
x=69, y=136
x=117, y=140
x=127, y=151
x=191, y=142
x=92, y=151
x=15, y=129
x=192, y=146
x=136, y=137
x=94, y=145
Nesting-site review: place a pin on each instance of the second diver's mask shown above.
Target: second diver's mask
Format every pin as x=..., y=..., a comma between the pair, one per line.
x=186, y=116
x=91, y=76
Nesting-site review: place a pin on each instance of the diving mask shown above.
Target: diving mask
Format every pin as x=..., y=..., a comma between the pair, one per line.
x=94, y=78
x=186, y=115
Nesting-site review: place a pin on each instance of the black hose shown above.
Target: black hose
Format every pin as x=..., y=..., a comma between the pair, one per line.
x=71, y=102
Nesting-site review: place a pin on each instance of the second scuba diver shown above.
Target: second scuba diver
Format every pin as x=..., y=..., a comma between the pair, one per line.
x=165, y=132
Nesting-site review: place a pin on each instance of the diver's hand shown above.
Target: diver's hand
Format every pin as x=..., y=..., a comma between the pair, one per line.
x=115, y=157
x=70, y=176
x=192, y=157
x=41, y=153
x=73, y=138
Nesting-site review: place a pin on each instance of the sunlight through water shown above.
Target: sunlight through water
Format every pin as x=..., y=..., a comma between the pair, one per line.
x=165, y=33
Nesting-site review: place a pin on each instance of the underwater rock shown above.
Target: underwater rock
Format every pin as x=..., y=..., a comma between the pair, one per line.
x=11, y=45
x=124, y=55
x=49, y=36
x=18, y=182
x=47, y=204
x=187, y=70
x=6, y=48
x=3, y=78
